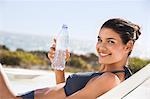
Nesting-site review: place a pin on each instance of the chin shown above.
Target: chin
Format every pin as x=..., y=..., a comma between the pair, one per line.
x=104, y=62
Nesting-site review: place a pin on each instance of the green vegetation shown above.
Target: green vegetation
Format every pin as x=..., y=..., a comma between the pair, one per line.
x=20, y=58
x=39, y=60
x=136, y=64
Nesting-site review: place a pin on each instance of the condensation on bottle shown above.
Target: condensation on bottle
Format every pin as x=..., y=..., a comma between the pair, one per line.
x=62, y=42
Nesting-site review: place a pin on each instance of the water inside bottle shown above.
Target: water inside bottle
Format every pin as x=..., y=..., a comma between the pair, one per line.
x=62, y=41
x=59, y=60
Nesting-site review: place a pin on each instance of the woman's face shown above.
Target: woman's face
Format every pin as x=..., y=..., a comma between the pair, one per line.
x=110, y=47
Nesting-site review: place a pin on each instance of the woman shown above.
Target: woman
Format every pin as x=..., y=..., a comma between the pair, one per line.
x=115, y=43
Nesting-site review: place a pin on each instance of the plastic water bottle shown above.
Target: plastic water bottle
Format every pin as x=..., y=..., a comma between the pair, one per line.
x=62, y=42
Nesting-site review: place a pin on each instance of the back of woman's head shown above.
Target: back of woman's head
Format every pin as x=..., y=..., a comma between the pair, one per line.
x=126, y=30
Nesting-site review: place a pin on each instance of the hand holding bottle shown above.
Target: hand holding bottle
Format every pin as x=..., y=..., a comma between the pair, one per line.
x=59, y=74
x=59, y=49
x=51, y=53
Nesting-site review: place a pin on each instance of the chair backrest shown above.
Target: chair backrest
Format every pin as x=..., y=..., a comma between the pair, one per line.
x=128, y=86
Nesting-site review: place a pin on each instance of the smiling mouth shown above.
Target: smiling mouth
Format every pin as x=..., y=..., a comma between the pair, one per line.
x=103, y=54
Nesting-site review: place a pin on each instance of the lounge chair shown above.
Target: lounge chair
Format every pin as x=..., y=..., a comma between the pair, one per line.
x=132, y=88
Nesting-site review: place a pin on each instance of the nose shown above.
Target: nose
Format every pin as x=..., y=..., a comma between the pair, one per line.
x=100, y=47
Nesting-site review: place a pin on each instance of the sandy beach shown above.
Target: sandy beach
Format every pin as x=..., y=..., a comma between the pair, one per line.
x=24, y=80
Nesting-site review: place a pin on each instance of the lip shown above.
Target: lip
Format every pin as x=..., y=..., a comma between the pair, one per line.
x=103, y=54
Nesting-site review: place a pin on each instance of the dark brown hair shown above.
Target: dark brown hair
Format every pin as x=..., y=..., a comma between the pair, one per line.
x=126, y=30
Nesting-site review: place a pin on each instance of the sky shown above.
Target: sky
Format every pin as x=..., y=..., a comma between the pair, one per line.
x=83, y=17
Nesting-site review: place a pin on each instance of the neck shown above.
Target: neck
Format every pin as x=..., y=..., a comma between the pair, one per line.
x=114, y=66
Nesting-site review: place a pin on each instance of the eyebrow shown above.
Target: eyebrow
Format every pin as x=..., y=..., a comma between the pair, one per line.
x=111, y=38
x=107, y=38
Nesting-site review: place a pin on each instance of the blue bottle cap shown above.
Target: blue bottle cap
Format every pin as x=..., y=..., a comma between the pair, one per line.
x=64, y=26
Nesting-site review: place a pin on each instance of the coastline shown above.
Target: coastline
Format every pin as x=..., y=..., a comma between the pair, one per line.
x=38, y=60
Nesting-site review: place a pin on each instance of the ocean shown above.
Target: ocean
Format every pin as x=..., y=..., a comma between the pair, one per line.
x=42, y=43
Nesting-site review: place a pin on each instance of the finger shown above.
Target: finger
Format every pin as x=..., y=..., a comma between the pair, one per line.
x=53, y=43
x=51, y=58
x=52, y=48
x=51, y=55
x=54, y=40
x=67, y=55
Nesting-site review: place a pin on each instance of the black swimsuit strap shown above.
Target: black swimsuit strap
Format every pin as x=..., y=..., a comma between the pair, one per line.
x=126, y=70
x=116, y=71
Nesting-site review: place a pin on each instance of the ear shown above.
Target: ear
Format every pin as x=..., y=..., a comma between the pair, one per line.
x=129, y=46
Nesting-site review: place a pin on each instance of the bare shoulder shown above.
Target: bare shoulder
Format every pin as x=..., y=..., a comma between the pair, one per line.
x=97, y=86
x=107, y=81
x=102, y=84
x=109, y=77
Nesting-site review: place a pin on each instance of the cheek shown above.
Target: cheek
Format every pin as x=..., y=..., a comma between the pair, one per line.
x=118, y=53
x=117, y=48
x=97, y=47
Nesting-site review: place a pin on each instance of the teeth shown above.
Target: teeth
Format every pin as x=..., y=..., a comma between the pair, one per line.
x=102, y=54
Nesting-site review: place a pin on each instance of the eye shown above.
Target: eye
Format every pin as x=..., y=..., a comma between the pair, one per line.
x=111, y=42
x=99, y=40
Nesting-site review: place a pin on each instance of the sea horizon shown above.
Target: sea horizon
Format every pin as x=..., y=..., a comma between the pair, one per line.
x=30, y=42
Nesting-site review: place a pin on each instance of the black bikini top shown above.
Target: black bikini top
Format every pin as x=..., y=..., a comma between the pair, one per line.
x=77, y=81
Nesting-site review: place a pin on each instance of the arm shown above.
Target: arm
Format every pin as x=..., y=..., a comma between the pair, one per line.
x=97, y=87
x=60, y=76
x=5, y=88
